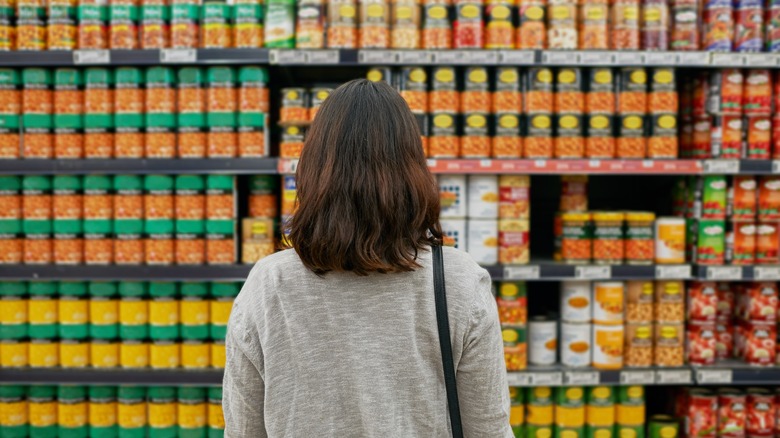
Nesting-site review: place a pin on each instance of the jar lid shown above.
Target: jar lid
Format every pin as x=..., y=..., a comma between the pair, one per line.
x=215, y=393
x=640, y=216
x=162, y=289
x=194, y=289
x=132, y=289
x=102, y=288
x=13, y=288
x=73, y=288
x=131, y=392
x=576, y=216
x=230, y=289
x=162, y=392
x=12, y=391
x=42, y=288
x=42, y=391
x=611, y=216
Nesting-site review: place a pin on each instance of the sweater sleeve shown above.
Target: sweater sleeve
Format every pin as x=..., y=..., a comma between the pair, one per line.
x=243, y=387
x=481, y=375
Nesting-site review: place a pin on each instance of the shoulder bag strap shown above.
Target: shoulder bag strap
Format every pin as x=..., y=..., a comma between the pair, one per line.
x=443, y=323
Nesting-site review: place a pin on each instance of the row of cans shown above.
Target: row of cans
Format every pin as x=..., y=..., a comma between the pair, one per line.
x=740, y=198
x=729, y=412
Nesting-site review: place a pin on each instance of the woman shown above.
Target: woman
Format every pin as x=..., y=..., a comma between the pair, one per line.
x=337, y=337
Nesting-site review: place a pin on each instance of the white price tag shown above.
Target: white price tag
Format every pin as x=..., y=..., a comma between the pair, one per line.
x=176, y=56
x=724, y=273
x=447, y=57
x=414, y=57
x=581, y=378
x=761, y=60
x=630, y=58
x=766, y=272
x=693, y=58
x=597, y=58
x=673, y=272
x=431, y=162
x=563, y=57
x=660, y=58
x=485, y=164
x=521, y=272
x=545, y=379
x=284, y=57
x=776, y=166
x=91, y=57
x=288, y=165
x=727, y=59
x=517, y=57
x=592, y=272
x=480, y=57
x=323, y=57
x=714, y=376
x=673, y=377
x=377, y=57
x=517, y=379
x=637, y=377
x=721, y=166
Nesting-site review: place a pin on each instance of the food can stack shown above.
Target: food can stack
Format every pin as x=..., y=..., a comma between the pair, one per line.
x=512, y=305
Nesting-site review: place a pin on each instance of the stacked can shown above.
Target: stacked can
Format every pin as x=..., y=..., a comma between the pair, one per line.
x=514, y=212
x=513, y=315
x=453, y=195
x=98, y=113
x=159, y=220
x=542, y=341
x=128, y=113
x=507, y=107
x=43, y=311
x=569, y=110
x=374, y=32
x=74, y=325
x=482, y=227
x=160, y=118
x=191, y=116
x=753, y=211
x=631, y=107
x=294, y=112
x=68, y=111
x=755, y=332
x=538, y=107
x=600, y=411
x=37, y=109
x=608, y=331
x=11, y=242
x=194, y=308
x=475, y=106
x=640, y=310
x=253, y=109
x=37, y=219
x=164, y=320
x=103, y=324
x=14, y=325
x=517, y=411
x=540, y=420
x=444, y=105
x=258, y=229
x=576, y=328
x=669, y=330
x=190, y=225
x=133, y=325
x=221, y=107
x=702, y=316
x=221, y=220
x=67, y=211
x=10, y=110
x=630, y=411
x=662, y=110
x=128, y=220
x=600, y=114
x=570, y=412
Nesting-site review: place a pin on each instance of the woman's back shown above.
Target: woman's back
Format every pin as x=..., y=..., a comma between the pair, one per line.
x=343, y=355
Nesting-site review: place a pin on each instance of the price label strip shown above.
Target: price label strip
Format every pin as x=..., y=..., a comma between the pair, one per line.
x=545, y=379
x=592, y=272
x=693, y=58
x=761, y=60
x=660, y=58
x=287, y=166
x=728, y=60
x=517, y=379
x=287, y=57
x=673, y=272
x=521, y=272
x=714, y=377
x=776, y=166
x=517, y=57
x=81, y=57
x=598, y=58
x=630, y=58
x=766, y=272
x=673, y=377
x=378, y=57
x=561, y=58
x=176, y=56
x=581, y=378
x=637, y=377
x=721, y=166
x=724, y=273
x=414, y=57
x=323, y=57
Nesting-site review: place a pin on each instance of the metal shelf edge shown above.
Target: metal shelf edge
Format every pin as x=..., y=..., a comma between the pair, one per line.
x=151, y=165
x=115, y=377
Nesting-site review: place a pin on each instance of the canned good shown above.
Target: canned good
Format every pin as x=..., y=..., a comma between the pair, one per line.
x=669, y=345
x=724, y=342
x=516, y=410
x=608, y=302
x=760, y=412
x=513, y=241
x=669, y=299
x=630, y=411
x=576, y=243
x=702, y=301
x=639, y=238
x=576, y=344
x=701, y=418
x=607, y=346
x=760, y=343
x=702, y=343
x=540, y=408
x=454, y=232
x=543, y=340
x=514, y=196
x=608, y=243
x=452, y=195
x=663, y=426
x=711, y=242
x=639, y=345
x=512, y=304
x=483, y=197
x=731, y=413
x=482, y=245
x=515, y=347
x=639, y=301
x=576, y=299
x=669, y=240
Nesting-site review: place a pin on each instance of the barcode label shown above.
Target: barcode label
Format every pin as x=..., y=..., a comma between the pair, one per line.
x=517, y=57
x=377, y=57
x=714, y=376
x=173, y=56
x=673, y=272
x=91, y=57
x=521, y=272
x=637, y=377
x=517, y=379
x=766, y=272
x=724, y=273
x=581, y=378
x=592, y=272
x=673, y=377
x=721, y=166
x=545, y=379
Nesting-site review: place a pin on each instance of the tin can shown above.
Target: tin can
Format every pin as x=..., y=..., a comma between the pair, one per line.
x=513, y=241
x=760, y=412
x=482, y=240
x=718, y=25
x=744, y=198
x=669, y=345
x=701, y=415
x=607, y=346
x=757, y=92
x=702, y=301
x=540, y=411
x=600, y=411
x=630, y=411
x=512, y=303
x=543, y=341
x=608, y=298
x=570, y=411
x=670, y=240
x=760, y=343
x=454, y=232
x=702, y=343
x=749, y=26
x=769, y=198
x=515, y=347
x=576, y=301
x=725, y=92
x=761, y=304
x=639, y=301
x=731, y=413
x=532, y=29
x=638, y=345
x=517, y=410
x=514, y=196
x=767, y=238
x=453, y=196
x=576, y=344
x=483, y=196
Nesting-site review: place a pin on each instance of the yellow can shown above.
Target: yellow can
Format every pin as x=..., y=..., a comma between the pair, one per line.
x=133, y=354
x=74, y=354
x=670, y=240
x=44, y=353
x=218, y=354
x=164, y=354
x=13, y=354
x=104, y=354
x=195, y=354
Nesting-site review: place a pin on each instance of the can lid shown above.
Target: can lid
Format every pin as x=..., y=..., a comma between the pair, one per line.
x=98, y=392
x=263, y=183
x=161, y=392
x=67, y=77
x=230, y=289
x=102, y=288
x=219, y=182
x=252, y=74
x=128, y=75
x=10, y=183
x=576, y=216
x=158, y=183
x=42, y=288
x=132, y=288
x=98, y=76
x=220, y=75
x=42, y=391
x=13, y=288
x=190, y=75
x=190, y=182
x=36, y=76
x=9, y=76
x=131, y=392
x=36, y=183
x=162, y=289
x=215, y=393
x=608, y=216
x=191, y=393
x=640, y=216
x=73, y=288
x=12, y=391
x=194, y=289
x=157, y=75
x=98, y=182
x=71, y=392
x=128, y=182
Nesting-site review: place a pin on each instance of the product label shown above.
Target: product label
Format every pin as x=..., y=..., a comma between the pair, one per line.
x=73, y=311
x=103, y=312
x=43, y=311
x=194, y=312
x=72, y=415
x=162, y=415
x=43, y=414
x=132, y=415
x=192, y=416
x=163, y=312
x=220, y=311
x=13, y=414
x=102, y=414
x=133, y=312
x=13, y=311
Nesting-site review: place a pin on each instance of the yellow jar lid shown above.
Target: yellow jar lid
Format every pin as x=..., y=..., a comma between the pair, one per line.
x=575, y=216
x=640, y=216
x=608, y=216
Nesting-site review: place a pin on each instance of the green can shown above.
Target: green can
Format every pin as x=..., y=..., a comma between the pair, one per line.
x=163, y=311
x=663, y=426
x=600, y=412
x=162, y=412
x=131, y=411
x=72, y=412
x=216, y=420
x=517, y=411
x=539, y=407
x=714, y=194
x=570, y=412
x=630, y=412
x=711, y=242
x=194, y=311
x=103, y=310
x=14, y=421
x=223, y=295
x=73, y=310
x=14, y=318
x=133, y=311
x=192, y=412
x=102, y=411
x=42, y=406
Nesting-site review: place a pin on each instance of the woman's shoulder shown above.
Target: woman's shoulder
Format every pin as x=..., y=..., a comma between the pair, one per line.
x=460, y=262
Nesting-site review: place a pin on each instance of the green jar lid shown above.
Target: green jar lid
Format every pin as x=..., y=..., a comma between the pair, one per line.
x=67, y=77
x=215, y=393
x=10, y=226
x=128, y=183
x=131, y=393
x=42, y=392
x=222, y=226
x=42, y=288
x=70, y=392
x=36, y=226
x=190, y=226
x=162, y=289
x=9, y=76
x=159, y=75
x=98, y=226
x=191, y=393
x=10, y=183
x=95, y=76
x=98, y=183
x=102, y=392
x=68, y=226
x=12, y=391
x=36, y=76
x=155, y=183
x=68, y=183
x=73, y=288
x=190, y=183
x=102, y=289
x=230, y=289
x=161, y=393
x=36, y=183
x=158, y=226
x=128, y=76
x=220, y=182
x=132, y=289
x=194, y=289
x=13, y=288
x=220, y=75
x=263, y=184
x=252, y=74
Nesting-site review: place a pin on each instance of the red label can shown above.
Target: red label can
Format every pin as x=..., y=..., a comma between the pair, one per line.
x=702, y=301
x=702, y=343
x=724, y=342
x=760, y=344
x=760, y=412
x=731, y=413
x=759, y=137
x=725, y=301
x=757, y=99
x=702, y=418
x=767, y=242
x=761, y=302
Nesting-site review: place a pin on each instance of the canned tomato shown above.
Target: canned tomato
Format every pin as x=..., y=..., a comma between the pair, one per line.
x=608, y=302
x=767, y=238
x=576, y=344
x=759, y=137
x=757, y=95
x=515, y=347
x=731, y=413
x=543, y=339
x=639, y=301
x=512, y=303
x=725, y=92
x=702, y=343
x=761, y=302
x=576, y=299
x=760, y=341
x=724, y=340
x=702, y=301
x=769, y=198
x=727, y=136
x=607, y=346
x=744, y=198
x=741, y=243
x=760, y=412
x=726, y=301
x=702, y=417
x=639, y=345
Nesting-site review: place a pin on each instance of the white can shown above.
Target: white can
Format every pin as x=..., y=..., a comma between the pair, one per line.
x=452, y=196
x=483, y=240
x=576, y=344
x=542, y=341
x=454, y=232
x=607, y=345
x=608, y=302
x=483, y=197
x=576, y=301
x=670, y=240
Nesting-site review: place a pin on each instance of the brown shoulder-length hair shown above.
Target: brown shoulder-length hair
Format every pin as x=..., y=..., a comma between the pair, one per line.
x=366, y=199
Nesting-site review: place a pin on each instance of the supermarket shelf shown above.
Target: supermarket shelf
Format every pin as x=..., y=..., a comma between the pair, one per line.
x=560, y=271
x=763, y=272
x=109, y=377
x=558, y=375
x=129, y=273
x=133, y=57
x=142, y=166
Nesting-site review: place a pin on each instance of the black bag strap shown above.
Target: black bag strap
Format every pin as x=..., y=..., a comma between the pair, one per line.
x=443, y=322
